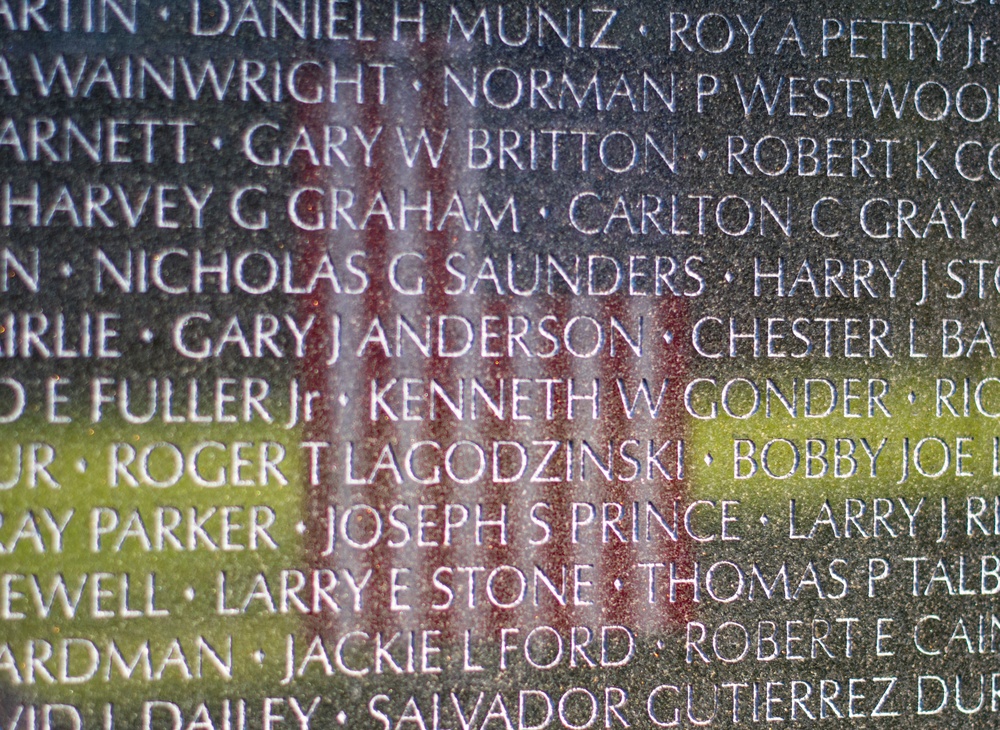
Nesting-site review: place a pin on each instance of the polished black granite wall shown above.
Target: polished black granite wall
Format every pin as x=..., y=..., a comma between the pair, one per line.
x=423, y=365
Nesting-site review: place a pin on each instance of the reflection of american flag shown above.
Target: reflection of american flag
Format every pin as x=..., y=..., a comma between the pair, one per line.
x=614, y=602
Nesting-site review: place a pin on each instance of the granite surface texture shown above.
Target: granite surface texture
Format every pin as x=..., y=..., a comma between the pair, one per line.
x=522, y=366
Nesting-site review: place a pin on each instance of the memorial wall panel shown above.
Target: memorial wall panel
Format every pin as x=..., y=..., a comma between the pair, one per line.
x=410, y=365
